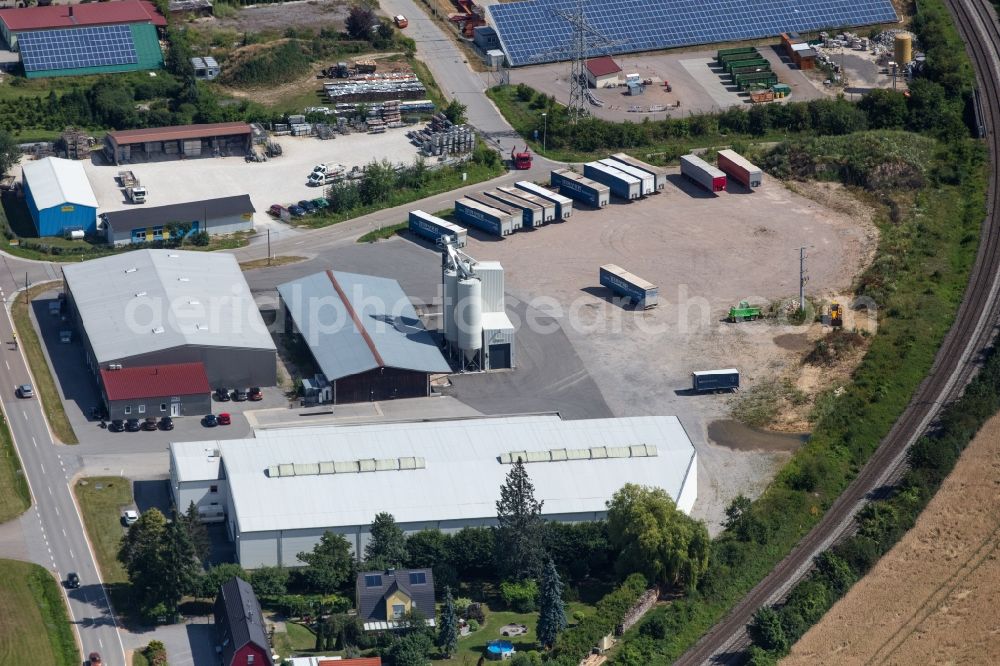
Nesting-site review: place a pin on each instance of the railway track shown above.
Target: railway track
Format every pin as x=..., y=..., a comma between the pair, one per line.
x=955, y=364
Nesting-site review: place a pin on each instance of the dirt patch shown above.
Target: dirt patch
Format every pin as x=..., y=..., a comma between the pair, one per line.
x=735, y=435
x=794, y=342
x=276, y=18
x=932, y=598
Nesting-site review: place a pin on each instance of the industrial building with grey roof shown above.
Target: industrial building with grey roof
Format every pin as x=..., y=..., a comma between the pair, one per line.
x=160, y=307
x=284, y=488
x=364, y=335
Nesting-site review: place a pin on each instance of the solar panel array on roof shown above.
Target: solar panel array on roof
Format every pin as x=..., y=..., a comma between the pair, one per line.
x=532, y=31
x=73, y=48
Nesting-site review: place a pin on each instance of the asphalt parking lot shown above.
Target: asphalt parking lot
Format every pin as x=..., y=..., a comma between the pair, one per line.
x=280, y=180
x=696, y=83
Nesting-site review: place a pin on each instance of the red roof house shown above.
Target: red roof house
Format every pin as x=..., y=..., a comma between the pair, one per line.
x=156, y=390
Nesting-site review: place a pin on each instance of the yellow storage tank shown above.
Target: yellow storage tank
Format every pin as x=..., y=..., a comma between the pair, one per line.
x=904, y=49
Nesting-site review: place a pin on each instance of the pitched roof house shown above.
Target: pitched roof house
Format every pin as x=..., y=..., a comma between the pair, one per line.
x=384, y=597
x=240, y=626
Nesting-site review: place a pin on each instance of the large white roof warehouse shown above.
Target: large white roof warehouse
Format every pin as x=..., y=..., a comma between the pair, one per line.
x=284, y=488
x=152, y=307
x=55, y=181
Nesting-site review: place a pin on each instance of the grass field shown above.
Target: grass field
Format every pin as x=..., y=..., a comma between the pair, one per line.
x=45, y=385
x=295, y=639
x=34, y=626
x=101, y=510
x=14, y=496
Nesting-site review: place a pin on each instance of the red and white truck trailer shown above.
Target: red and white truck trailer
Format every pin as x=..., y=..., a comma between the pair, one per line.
x=703, y=173
x=740, y=169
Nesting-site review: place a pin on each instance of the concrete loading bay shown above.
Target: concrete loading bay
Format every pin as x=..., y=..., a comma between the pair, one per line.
x=705, y=252
x=697, y=81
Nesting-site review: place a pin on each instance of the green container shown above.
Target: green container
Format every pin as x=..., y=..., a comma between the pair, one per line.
x=782, y=89
x=722, y=53
x=755, y=62
x=748, y=55
x=750, y=70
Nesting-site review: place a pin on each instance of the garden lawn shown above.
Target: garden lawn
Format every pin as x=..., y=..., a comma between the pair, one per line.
x=34, y=627
x=101, y=510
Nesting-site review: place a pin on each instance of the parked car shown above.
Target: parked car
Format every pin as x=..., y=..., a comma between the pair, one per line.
x=132, y=425
x=149, y=425
x=72, y=580
x=276, y=210
x=240, y=395
x=116, y=425
x=255, y=394
x=166, y=423
x=130, y=517
x=210, y=421
x=320, y=203
x=297, y=211
x=222, y=394
x=225, y=418
x=65, y=336
x=308, y=206
x=25, y=391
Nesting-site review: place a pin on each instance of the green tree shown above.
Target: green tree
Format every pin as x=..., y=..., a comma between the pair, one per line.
x=653, y=537
x=378, y=183
x=9, y=152
x=518, y=544
x=551, y=609
x=427, y=548
x=886, y=109
x=269, y=581
x=180, y=567
x=766, y=631
x=835, y=572
x=329, y=565
x=413, y=649
x=741, y=521
x=386, y=548
x=455, y=112
x=470, y=551
x=447, y=638
x=213, y=579
x=197, y=532
x=360, y=20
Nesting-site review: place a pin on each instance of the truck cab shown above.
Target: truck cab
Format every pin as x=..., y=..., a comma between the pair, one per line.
x=136, y=195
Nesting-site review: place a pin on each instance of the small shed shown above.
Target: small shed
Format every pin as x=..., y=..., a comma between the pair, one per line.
x=59, y=196
x=602, y=72
x=205, y=69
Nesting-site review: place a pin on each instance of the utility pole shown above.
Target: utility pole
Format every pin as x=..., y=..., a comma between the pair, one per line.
x=545, y=130
x=268, y=247
x=802, y=279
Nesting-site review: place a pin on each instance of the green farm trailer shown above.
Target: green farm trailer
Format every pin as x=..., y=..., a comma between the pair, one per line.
x=744, y=311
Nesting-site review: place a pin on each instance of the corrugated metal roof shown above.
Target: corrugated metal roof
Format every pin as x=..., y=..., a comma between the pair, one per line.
x=463, y=472
x=354, y=323
x=131, y=218
x=179, y=132
x=149, y=300
x=69, y=16
x=154, y=381
x=55, y=181
x=602, y=66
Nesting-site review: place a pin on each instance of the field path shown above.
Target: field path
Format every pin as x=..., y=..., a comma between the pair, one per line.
x=932, y=598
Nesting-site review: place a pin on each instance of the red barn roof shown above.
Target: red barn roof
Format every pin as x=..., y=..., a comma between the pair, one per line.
x=602, y=66
x=155, y=381
x=72, y=16
x=178, y=133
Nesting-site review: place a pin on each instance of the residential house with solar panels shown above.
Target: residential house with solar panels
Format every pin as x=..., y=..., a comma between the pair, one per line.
x=284, y=488
x=384, y=598
x=532, y=31
x=150, y=308
x=364, y=336
x=91, y=38
x=59, y=196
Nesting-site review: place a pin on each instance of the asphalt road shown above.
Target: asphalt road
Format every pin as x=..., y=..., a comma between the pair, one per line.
x=52, y=528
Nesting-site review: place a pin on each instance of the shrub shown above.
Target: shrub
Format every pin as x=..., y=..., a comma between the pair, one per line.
x=474, y=611
x=473, y=625
x=519, y=597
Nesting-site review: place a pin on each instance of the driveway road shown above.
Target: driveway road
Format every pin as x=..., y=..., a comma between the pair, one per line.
x=52, y=529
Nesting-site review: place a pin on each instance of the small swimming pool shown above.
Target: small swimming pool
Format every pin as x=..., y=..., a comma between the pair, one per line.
x=499, y=649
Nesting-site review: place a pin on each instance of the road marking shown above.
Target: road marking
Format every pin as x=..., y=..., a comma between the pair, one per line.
x=7, y=364
x=50, y=487
x=33, y=442
x=64, y=533
x=25, y=414
x=100, y=641
x=57, y=510
x=42, y=467
x=71, y=555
